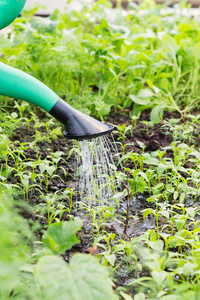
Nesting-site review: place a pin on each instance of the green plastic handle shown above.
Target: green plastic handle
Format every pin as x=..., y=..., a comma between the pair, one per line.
x=9, y=11
x=20, y=85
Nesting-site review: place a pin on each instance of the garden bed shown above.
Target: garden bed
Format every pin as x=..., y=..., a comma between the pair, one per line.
x=140, y=72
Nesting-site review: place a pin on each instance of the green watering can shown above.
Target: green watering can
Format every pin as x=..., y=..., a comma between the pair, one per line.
x=17, y=84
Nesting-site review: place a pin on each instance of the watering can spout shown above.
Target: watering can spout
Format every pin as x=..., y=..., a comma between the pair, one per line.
x=77, y=124
x=17, y=84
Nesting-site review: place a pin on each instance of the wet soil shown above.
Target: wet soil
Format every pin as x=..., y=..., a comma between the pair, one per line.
x=153, y=137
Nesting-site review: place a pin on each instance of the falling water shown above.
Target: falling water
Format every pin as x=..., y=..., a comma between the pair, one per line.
x=96, y=170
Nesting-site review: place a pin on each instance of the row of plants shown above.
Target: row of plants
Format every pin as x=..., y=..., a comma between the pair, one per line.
x=143, y=243
x=168, y=253
x=101, y=59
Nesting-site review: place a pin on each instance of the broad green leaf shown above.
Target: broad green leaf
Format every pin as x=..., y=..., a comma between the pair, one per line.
x=170, y=297
x=119, y=248
x=188, y=268
x=169, y=188
x=191, y=211
x=156, y=114
x=161, y=293
x=145, y=93
x=165, y=85
x=165, y=213
x=169, y=43
x=42, y=167
x=183, y=287
x=161, y=168
x=50, y=170
x=159, y=277
x=110, y=258
x=150, y=160
x=150, y=83
x=117, y=197
x=139, y=296
x=180, y=224
x=196, y=153
x=153, y=265
x=103, y=108
x=147, y=212
x=184, y=187
x=61, y=236
x=144, y=57
x=126, y=296
x=83, y=279
x=157, y=245
x=140, y=184
x=139, y=101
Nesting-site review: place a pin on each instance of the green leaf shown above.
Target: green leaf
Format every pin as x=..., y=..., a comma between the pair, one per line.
x=165, y=213
x=139, y=296
x=159, y=277
x=171, y=297
x=83, y=279
x=180, y=224
x=139, y=101
x=156, y=114
x=157, y=245
x=50, y=170
x=175, y=195
x=182, y=198
x=61, y=236
x=196, y=51
x=107, y=58
x=145, y=93
x=150, y=160
x=188, y=268
x=183, y=287
x=110, y=258
x=150, y=83
x=184, y=187
x=147, y=212
x=165, y=85
x=144, y=57
x=196, y=153
x=153, y=265
x=169, y=43
x=113, y=72
x=161, y=168
x=140, y=184
x=126, y=296
x=191, y=211
x=42, y=167
x=169, y=188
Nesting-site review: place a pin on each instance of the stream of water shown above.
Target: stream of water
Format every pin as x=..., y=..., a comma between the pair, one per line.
x=96, y=168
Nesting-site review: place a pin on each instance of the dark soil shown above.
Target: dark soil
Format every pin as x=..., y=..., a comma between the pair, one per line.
x=154, y=138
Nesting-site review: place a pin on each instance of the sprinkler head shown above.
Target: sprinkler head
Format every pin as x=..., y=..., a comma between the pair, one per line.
x=78, y=125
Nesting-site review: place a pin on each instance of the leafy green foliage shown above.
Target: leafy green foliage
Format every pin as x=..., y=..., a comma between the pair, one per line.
x=103, y=60
x=61, y=236
x=15, y=235
x=83, y=278
x=111, y=59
